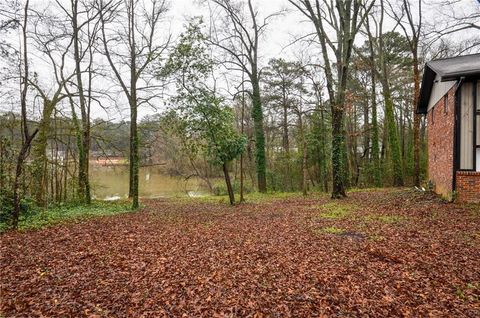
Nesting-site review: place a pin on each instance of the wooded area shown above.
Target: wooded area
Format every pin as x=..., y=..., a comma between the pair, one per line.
x=338, y=114
x=301, y=114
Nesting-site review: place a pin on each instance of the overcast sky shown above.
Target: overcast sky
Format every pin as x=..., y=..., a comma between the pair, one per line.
x=281, y=30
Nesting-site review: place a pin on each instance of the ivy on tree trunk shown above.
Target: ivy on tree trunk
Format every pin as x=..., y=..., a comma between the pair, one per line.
x=257, y=115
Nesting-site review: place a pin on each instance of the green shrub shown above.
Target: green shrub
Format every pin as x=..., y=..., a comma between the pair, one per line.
x=6, y=205
x=329, y=230
x=27, y=207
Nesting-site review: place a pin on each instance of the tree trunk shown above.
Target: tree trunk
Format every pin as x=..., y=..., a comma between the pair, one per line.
x=257, y=115
x=304, y=165
x=393, y=141
x=285, y=139
x=416, y=121
x=242, y=131
x=27, y=138
x=231, y=195
x=84, y=133
x=288, y=180
x=2, y=164
x=377, y=172
x=134, y=157
x=241, y=178
x=40, y=153
x=338, y=154
x=355, y=160
x=81, y=150
x=305, y=169
x=366, y=131
x=323, y=157
x=18, y=173
x=65, y=175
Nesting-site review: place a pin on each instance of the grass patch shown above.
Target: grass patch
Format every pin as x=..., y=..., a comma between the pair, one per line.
x=469, y=292
x=469, y=237
x=474, y=208
x=357, y=190
x=332, y=230
x=374, y=189
x=387, y=219
x=69, y=213
x=376, y=238
x=335, y=210
x=208, y=224
x=253, y=197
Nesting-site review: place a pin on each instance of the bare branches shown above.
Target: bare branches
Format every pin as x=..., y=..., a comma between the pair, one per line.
x=240, y=35
x=455, y=20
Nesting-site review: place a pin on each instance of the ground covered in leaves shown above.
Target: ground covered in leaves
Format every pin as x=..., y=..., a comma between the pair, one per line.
x=376, y=254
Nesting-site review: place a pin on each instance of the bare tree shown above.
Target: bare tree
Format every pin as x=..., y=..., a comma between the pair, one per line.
x=53, y=43
x=27, y=137
x=134, y=43
x=83, y=21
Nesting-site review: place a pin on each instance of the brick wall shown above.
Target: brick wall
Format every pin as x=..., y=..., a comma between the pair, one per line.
x=468, y=186
x=440, y=130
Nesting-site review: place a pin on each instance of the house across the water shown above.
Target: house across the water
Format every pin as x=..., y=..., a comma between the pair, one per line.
x=450, y=98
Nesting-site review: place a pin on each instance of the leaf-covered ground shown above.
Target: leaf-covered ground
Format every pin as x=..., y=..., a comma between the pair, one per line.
x=376, y=254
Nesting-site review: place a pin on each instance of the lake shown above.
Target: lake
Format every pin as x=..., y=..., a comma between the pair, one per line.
x=111, y=183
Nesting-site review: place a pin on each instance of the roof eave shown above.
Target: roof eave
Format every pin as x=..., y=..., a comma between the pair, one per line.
x=426, y=89
x=458, y=75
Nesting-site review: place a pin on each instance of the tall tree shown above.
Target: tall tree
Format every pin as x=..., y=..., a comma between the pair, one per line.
x=383, y=55
x=239, y=39
x=345, y=18
x=135, y=45
x=300, y=109
x=82, y=19
x=283, y=82
x=375, y=132
x=410, y=20
x=53, y=44
x=27, y=137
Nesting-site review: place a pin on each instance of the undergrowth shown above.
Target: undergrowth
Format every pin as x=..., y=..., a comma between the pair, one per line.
x=68, y=212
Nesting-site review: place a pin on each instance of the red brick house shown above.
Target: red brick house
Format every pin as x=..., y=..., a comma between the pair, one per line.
x=450, y=98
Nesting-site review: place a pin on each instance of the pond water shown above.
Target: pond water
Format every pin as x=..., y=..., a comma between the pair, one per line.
x=111, y=183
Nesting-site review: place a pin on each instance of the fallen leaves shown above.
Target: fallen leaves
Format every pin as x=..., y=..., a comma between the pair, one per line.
x=255, y=260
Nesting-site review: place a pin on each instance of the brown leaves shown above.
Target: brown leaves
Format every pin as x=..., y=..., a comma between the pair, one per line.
x=398, y=254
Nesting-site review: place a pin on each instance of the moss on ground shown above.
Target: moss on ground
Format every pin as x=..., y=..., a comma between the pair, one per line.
x=253, y=197
x=387, y=219
x=332, y=230
x=337, y=210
